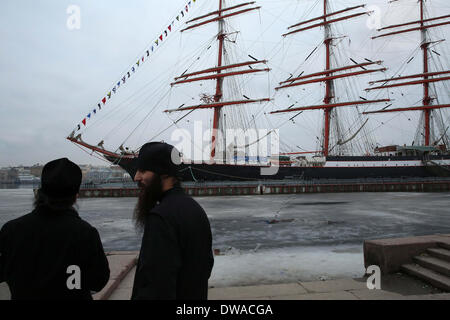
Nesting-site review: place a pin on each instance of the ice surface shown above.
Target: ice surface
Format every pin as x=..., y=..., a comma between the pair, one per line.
x=296, y=237
x=287, y=265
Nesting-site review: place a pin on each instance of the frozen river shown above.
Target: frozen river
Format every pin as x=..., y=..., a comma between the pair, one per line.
x=276, y=238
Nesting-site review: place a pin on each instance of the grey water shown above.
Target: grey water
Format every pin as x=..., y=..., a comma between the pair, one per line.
x=271, y=221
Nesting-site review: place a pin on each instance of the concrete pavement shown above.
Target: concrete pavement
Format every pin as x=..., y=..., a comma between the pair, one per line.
x=393, y=287
x=123, y=291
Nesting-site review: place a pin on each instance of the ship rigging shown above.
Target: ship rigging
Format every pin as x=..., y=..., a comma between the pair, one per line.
x=217, y=82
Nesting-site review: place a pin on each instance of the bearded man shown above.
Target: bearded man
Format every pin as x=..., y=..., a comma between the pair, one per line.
x=176, y=259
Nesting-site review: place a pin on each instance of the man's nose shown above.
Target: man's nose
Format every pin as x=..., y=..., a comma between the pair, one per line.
x=137, y=177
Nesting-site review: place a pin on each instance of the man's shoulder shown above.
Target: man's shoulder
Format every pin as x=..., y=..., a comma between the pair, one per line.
x=84, y=224
x=75, y=220
x=178, y=200
x=34, y=218
x=18, y=221
x=178, y=206
x=180, y=197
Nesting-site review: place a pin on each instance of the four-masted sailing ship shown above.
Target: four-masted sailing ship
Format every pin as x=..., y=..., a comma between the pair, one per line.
x=427, y=156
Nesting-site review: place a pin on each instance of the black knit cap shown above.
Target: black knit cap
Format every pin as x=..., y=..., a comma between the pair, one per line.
x=159, y=157
x=61, y=178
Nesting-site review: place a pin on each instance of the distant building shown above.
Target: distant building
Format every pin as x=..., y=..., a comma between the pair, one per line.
x=90, y=174
x=36, y=170
x=126, y=176
x=9, y=176
x=116, y=172
x=84, y=170
x=119, y=174
x=26, y=178
x=97, y=175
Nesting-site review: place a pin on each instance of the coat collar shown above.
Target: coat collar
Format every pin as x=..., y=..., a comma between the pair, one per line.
x=172, y=191
x=45, y=210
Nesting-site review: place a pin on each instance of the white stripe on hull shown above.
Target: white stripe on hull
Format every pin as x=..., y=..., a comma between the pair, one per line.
x=397, y=163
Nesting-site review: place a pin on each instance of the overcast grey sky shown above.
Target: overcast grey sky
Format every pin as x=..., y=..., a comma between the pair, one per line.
x=52, y=76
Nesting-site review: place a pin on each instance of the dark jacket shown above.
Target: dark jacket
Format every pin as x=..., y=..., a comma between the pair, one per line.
x=176, y=258
x=37, y=249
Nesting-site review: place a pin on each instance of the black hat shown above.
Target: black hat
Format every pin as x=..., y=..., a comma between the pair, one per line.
x=61, y=178
x=159, y=157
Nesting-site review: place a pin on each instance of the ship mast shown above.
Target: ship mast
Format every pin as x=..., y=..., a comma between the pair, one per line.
x=218, y=95
x=426, y=94
x=329, y=85
x=218, y=71
x=328, y=75
x=427, y=106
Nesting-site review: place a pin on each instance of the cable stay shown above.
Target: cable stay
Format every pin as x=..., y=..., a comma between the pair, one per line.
x=221, y=11
x=326, y=72
x=428, y=74
x=220, y=16
x=328, y=22
x=252, y=143
x=340, y=143
x=410, y=83
x=413, y=22
x=220, y=75
x=422, y=27
x=209, y=70
x=326, y=16
x=427, y=107
x=441, y=137
x=331, y=105
x=324, y=79
x=218, y=104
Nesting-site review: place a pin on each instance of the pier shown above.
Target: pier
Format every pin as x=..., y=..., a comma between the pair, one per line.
x=233, y=188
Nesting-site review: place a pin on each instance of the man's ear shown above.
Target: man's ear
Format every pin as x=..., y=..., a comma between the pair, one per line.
x=164, y=178
x=169, y=180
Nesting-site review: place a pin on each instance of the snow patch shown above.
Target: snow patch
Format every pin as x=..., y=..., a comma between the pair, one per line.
x=235, y=267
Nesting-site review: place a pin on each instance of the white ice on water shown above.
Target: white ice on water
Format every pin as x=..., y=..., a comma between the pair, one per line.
x=236, y=268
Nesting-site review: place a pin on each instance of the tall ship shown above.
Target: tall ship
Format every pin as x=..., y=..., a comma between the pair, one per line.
x=234, y=90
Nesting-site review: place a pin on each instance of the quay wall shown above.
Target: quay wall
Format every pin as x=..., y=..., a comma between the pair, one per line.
x=205, y=189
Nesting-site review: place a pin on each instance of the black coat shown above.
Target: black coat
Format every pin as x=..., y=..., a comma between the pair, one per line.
x=176, y=259
x=37, y=249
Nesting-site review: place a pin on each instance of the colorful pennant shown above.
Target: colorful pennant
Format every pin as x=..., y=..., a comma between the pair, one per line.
x=164, y=34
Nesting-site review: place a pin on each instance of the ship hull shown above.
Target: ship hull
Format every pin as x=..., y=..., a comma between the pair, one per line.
x=335, y=168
